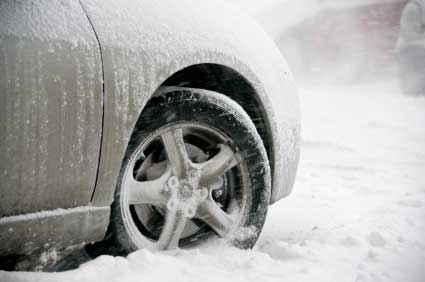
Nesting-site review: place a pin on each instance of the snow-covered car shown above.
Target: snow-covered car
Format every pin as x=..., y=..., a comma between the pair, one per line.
x=411, y=48
x=158, y=124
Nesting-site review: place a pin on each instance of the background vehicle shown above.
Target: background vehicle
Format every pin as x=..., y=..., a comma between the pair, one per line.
x=411, y=48
x=182, y=123
x=344, y=41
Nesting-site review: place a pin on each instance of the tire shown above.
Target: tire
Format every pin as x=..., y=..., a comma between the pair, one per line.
x=218, y=183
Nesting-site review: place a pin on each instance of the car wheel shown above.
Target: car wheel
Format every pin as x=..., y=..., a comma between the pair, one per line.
x=195, y=167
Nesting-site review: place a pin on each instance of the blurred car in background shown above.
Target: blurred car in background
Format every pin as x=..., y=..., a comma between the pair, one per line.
x=411, y=48
x=345, y=41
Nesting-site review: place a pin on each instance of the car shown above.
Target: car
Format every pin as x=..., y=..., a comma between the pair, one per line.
x=411, y=48
x=157, y=124
x=344, y=41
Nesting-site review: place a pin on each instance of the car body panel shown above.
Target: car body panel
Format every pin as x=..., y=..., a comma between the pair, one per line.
x=50, y=106
x=57, y=229
x=52, y=54
x=145, y=42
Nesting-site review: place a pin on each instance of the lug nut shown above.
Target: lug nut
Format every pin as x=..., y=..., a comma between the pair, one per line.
x=173, y=182
x=190, y=212
x=172, y=204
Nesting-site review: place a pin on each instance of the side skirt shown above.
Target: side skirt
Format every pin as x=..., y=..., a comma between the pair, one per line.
x=33, y=232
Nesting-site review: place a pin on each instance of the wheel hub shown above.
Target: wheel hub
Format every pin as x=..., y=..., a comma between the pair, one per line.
x=185, y=191
x=186, y=194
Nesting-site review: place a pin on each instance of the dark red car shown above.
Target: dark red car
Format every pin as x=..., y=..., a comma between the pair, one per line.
x=345, y=41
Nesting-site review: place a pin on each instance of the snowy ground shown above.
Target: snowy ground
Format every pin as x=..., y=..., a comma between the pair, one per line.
x=357, y=212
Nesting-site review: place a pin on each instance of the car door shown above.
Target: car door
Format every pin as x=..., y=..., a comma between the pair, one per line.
x=51, y=101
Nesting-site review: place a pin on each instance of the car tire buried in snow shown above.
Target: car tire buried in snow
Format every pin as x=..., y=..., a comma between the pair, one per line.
x=195, y=167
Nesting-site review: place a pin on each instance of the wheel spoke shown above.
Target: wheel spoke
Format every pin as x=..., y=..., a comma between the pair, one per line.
x=219, y=164
x=147, y=192
x=175, y=221
x=176, y=151
x=215, y=217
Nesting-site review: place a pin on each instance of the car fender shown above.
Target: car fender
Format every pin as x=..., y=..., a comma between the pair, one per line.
x=145, y=42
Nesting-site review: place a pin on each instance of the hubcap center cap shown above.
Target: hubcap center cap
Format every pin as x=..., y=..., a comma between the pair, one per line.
x=186, y=194
x=185, y=191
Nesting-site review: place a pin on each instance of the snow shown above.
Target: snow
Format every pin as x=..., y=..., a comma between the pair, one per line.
x=60, y=20
x=276, y=15
x=356, y=213
x=46, y=214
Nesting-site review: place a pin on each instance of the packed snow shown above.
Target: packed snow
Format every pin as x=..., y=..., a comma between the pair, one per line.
x=356, y=213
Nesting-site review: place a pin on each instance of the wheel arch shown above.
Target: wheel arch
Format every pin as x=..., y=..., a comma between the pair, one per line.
x=229, y=82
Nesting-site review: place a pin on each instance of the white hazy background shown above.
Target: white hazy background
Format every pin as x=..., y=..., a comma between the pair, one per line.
x=357, y=212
